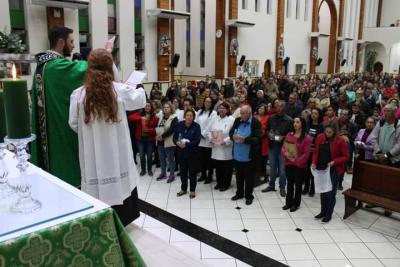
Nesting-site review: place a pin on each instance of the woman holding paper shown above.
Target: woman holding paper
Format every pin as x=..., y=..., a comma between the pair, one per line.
x=331, y=151
x=187, y=138
x=204, y=118
x=295, y=151
x=98, y=114
x=165, y=146
x=221, y=147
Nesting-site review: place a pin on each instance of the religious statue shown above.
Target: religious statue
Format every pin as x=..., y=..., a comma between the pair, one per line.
x=164, y=45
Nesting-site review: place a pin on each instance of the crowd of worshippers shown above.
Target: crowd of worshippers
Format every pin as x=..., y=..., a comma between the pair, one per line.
x=237, y=127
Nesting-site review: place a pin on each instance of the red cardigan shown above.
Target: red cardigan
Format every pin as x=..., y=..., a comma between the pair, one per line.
x=264, y=143
x=151, y=126
x=339, y=152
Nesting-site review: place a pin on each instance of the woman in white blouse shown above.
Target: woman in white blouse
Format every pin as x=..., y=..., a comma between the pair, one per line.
x=204, y=118
x=98, y=115
x=221, y=146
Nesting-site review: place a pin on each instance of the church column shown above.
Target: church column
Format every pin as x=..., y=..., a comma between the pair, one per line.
x=126, y=34
x=172, y=31
x=379, y=15
x=314, y=28
x=232, y=34
x=360, y=33
x=163, y=28
x=340, y=33
x=280, y=27
x=98, y=23
x=220, y=41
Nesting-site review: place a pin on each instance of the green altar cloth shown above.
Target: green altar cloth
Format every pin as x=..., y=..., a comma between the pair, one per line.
x=95, y=240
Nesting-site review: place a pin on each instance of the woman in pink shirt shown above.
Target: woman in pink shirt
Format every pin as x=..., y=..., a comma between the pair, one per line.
x=295, y=152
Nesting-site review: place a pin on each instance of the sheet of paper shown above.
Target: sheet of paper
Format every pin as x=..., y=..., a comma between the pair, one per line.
x=135, y=78
x=110, y=44
x=217, y=137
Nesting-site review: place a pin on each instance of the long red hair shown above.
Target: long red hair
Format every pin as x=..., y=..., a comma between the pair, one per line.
x=100, y=100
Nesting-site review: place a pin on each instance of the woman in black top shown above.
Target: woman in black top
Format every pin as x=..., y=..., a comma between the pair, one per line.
x=314, y=128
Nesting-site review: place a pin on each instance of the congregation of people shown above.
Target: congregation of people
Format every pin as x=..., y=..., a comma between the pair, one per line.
x=198, y=128
x=90, y=129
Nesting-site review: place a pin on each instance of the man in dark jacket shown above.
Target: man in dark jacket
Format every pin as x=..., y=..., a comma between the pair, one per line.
x=246, y=135
x=285, y=88
x=229, y=89
x=213, y=85
x=278, y=126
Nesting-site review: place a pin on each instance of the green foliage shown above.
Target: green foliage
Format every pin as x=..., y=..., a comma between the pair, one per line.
x=370, y=60
x=11, y=43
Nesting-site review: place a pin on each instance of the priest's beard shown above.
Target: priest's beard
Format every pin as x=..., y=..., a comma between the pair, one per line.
x=66, y=51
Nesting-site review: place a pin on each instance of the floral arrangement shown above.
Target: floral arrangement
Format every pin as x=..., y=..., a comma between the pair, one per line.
x=11, y=43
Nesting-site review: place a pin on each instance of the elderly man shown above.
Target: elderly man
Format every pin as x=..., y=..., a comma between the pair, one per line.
x=386, y=138
x=246, y=136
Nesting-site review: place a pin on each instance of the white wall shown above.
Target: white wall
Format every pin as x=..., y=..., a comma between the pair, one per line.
x=5, y=16
x=98, y=23
x=258, y=42
x=394, y=62
x=390, y=12
x=180, y=39
x=149, y=31
x=296, y=37
x=126, y=31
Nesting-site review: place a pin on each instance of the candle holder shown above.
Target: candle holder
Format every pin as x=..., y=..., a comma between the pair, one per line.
x=6, y=189
x=25, y=203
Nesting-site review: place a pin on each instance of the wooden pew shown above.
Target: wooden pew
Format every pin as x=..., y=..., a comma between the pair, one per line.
x=375, y=184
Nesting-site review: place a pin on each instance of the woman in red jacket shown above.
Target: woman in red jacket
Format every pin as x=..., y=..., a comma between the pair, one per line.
x=295, y=152
x=262, y=116
x=145, y=135
x=330, y=150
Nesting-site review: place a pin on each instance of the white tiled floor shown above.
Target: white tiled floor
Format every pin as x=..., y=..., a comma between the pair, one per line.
x=367, y=238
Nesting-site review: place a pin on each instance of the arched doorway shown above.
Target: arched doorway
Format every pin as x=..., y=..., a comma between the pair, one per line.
x=326, y=23
x=267, y=68
x=375, y=52
x=285, y=66
x=378, y=67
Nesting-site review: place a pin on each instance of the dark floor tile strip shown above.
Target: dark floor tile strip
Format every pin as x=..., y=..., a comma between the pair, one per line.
x=218, y=242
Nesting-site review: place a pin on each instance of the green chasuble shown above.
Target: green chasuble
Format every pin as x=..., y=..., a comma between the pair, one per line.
x=56, y=147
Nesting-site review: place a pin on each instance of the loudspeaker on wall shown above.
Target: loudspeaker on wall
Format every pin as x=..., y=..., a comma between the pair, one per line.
x=343, y=62
x=175, y=60
x=286, y=60
x=319, y=60
x=242, y=59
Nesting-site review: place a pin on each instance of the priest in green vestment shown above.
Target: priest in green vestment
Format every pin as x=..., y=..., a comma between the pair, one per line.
x=56, y=147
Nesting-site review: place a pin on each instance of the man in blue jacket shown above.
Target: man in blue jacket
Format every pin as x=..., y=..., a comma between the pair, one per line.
x=246, y=135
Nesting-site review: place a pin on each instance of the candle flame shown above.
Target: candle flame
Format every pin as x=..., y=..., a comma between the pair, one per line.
x=14, y=72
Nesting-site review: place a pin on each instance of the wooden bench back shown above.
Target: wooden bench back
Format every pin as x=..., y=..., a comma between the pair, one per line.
x=376, y=179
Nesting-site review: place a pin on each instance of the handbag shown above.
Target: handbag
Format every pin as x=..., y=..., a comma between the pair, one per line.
x=322, y=180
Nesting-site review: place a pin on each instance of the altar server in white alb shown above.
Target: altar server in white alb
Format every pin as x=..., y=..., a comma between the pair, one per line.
x=98, y=115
